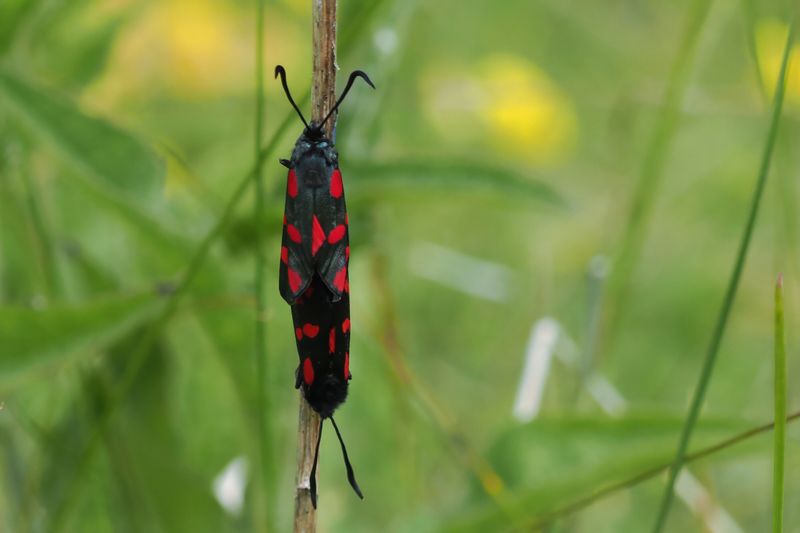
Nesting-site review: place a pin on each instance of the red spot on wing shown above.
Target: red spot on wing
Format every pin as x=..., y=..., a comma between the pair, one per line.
x=340, y=278
x=291, y=185
x=310, y=330
x=294, y=279
x=336, y=234
x=346, y=325
x=293, y=233
x=347, y=285
x=347, y=365
x=317, y=235
x=347, y=219
x=347, y=252
x=308, y=371
x=336, y=184
x=284, y=255
x=298, y=332
x=332, y=340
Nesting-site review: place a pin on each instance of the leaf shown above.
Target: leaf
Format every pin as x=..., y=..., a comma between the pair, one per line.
x=84, y=53
x=707, y=370
x=12, y=18
x=457, y=176
x=149, y=443
x=549, y=464
x=96, y=147
x=31, y=338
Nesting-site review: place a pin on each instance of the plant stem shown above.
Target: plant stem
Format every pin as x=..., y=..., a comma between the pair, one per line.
x=650, y=473
x=730, y=294
x=323, y=96
x=652, y=173
x=779, y=437
x=264, y=433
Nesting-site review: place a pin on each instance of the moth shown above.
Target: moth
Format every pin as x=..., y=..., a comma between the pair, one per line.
x=314, y=280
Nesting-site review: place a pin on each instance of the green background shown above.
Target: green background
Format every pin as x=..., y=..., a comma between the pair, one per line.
x=514, y=133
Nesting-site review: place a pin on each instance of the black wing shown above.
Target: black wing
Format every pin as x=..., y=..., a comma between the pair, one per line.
x=331, y=240
x=297, y=267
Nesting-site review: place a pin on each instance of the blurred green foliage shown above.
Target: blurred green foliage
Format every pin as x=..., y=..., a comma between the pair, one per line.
x=498, y=156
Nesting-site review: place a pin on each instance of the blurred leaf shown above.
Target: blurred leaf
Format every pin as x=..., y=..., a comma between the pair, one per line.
x=32, y=337
x=86, y=53
x=18, y=277
x=97, y=147
x=146, y=449
x=91, y=276
x=549, y=464
x=158, y=243
x=450, y=176
x=12, y=16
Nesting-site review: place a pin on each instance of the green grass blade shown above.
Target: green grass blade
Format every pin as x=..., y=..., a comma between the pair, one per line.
x=780, y=412
x=94, y=146
x=652, y=170
x=730, y=294
x=645, y=455
x=268, y=473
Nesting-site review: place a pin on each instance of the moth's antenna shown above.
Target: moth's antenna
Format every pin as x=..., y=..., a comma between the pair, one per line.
x=351, y=477
x=353, y=75
x=280, y=71
x=313, y=479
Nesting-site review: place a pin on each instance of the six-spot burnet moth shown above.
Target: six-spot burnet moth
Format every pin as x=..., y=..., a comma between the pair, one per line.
x=315, y=253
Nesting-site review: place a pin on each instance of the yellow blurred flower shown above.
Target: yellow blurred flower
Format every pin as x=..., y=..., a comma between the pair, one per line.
x=525, y=109
x=509, y=102
x=770, y=41
x=201, y=39
x=192, y=48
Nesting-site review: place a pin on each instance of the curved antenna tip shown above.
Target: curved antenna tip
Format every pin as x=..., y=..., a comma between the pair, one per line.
x=363, y=75
x=353, y=75
x=279, y=70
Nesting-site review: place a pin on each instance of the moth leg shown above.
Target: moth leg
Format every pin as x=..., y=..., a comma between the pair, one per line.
x=286, y=163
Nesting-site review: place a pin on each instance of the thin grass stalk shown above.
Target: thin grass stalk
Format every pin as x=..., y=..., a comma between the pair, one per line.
x=491, y=483
x=323, y=96
x=730, y=294
x=779, y=436
x=266, y=462
x=652, y=171
x=786, y=194
x=448, y=430
x=652, y=472
x=144, y=348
